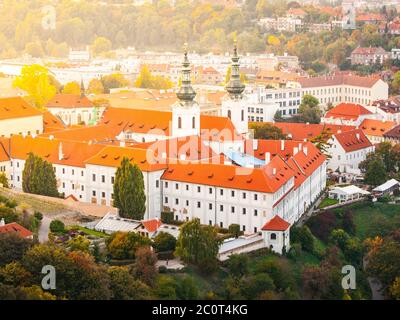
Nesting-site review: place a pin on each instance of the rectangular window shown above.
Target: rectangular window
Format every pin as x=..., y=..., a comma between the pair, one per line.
x=103, y=179
x=221, y=192
x=244, y=195
x=93, y=177
x=221, y=208
x=103, y=194
x=210, y=190
x=244, y=211
x=210, y=206
x=187, y=187
x=157, y=183
x=166, y=184
x=232, y=193
x=166, y=200
x=176, y=186
x=198, y=189
x=256, y=197
x=198, y=204
x=233, y=209
x=94, y=193
x=176, y=201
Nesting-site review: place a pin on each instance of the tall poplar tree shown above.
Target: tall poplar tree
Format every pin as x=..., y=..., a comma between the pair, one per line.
x=129, y=196
x=38, y=177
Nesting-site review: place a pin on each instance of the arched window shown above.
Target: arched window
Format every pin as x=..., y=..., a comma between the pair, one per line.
x=242, y=115
x=273, y=236
x=179, y=123
x=193, y=123
x=229, y=114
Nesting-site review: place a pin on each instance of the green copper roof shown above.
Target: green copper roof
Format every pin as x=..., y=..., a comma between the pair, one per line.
x=186, y=92
x=235, y=87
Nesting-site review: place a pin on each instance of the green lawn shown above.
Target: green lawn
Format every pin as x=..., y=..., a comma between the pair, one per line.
x=90, y=231
x=370, y=216
x=327, y=202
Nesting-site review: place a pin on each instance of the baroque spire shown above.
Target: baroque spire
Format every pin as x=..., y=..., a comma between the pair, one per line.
x=235, y=87
x=186, y=92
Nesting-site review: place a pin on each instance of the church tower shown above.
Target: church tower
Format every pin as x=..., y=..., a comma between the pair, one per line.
x=234, y=104
x=186, y=111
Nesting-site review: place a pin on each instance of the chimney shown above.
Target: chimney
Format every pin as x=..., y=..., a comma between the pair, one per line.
x=300, y=146
x=274, y=171
x=267, y=158
x=51, y=137
x=182, y=157
x=305, y=150
x=358, y=136
x=295, y=150
x=282, y=145
x=60, y=152
x=122, y=143
x=255, y=144
x=339, y=131
x=164, y=155
x=2, y=223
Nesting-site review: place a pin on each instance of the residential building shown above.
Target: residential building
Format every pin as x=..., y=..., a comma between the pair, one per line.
x=345, y=87
x=348, y=150
x=393, y=135
x=346, y=114
x=375, y=129
x=369, y=56
x=74, y=109
x=19, y=117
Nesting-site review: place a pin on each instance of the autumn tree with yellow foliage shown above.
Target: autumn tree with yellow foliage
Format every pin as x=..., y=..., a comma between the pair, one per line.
x=35, y=80
x=72, y=88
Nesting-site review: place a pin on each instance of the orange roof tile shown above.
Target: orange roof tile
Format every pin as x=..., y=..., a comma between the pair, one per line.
x=16, y=107
x=226, y=176
x=51, y=122
x=301, y=131
x=74, y=153
x=69, y=101
x=276, y=224
x=16, y=228
x=353, y=140
x=338, y=79
x=111, y=156
x=152, y=225
x=4, y=147
x=190, y=148
x=372, y=127
x=87, y=134
x=347, y=111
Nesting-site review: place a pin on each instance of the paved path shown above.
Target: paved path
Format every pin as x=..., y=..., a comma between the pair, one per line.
x=44, y=229
x=172, y=264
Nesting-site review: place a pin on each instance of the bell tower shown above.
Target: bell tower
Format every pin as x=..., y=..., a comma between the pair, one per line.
x=186, y=111
x=234, y=103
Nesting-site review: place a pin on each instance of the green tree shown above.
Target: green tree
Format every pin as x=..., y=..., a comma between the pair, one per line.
x=129, y=196
x=309, y=110
x=164, y=242
x=12, y=247
x=187, y=289
x=57, y=226
x=198, y=244
x=376, y=173
x=267, y=131
x=35, y=81
x=38, y=177
x=303, y=236
x=125, y=287
x=165, y=288
x=79, y=243
x=4, y=180
x=112, y=81
x=145, y=265
x=123, y=245
x=238, y=265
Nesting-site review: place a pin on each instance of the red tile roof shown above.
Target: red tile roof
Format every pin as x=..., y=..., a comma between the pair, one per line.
x=69, y=101
x=111, y=156
x=16, y=107
x=301, y=131
x=188, y=148
x=16, y=228
x=51, y=123
x=373, y=127
x=152, y=225
x=276, y=224
x=368, y=51
x=74, y=153
x=226, y=176
x=347, y=111
x=367, y=17
x=353, y=140
x=337, y=80
x=393, y=133
x=4, y=143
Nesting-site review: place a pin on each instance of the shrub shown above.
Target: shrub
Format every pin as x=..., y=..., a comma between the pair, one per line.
x=322, y=225
x=38, y=215
x=303, y=236
x=164, y=242
x=57, y=226
x=162, y=269
x=167, y=217
x=234, y=229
